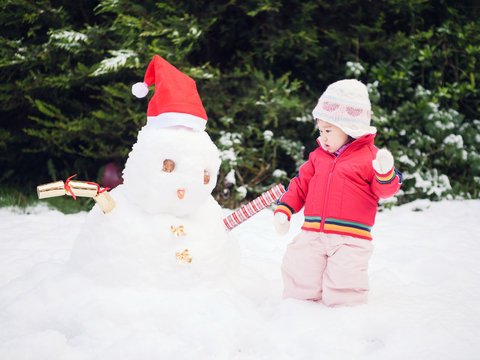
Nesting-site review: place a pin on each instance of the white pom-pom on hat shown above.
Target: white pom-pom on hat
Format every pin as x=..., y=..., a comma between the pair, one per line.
x=140, y=89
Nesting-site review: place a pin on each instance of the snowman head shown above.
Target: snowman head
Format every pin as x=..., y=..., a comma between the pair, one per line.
x=173, y=167
x=171, y=170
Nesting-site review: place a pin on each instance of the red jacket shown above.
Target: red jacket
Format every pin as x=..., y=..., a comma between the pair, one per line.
x=340, y=194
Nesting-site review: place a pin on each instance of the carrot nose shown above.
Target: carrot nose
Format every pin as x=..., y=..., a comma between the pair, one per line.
x=180, y=194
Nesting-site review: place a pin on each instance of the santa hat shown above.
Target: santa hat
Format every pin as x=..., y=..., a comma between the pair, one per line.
x=176, y=101
x=346, y=105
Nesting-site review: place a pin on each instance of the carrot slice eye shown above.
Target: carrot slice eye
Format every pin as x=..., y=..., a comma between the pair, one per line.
x=180, y=194
x=168, y=165
x=206, y=177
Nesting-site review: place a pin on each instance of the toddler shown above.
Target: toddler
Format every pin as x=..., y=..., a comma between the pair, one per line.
x=340, y=186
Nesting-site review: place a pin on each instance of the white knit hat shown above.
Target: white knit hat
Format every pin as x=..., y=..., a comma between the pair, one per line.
x=346, y=104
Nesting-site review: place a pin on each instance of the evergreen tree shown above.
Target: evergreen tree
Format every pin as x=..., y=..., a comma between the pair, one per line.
x=66, y=70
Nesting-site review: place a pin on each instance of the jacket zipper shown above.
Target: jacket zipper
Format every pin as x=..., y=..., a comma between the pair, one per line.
x=325, y=201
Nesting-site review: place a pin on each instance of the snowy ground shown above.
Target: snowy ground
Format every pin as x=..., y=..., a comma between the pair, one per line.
x=424, y=300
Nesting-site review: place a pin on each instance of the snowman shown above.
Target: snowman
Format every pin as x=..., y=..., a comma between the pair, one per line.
x=166, y=228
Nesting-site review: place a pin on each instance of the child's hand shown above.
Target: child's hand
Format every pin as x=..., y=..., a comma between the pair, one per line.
x=281, y=223
x=383, y=164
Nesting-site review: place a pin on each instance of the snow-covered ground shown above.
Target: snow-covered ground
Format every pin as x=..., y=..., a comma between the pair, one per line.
x=424, y=300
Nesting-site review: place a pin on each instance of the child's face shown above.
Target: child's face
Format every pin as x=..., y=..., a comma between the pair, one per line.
x=331, y=137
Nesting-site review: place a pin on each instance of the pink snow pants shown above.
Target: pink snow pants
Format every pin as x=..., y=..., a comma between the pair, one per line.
x=327, y=267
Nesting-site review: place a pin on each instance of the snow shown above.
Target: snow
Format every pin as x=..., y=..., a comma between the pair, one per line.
x=430, y=182
x=160, y=277
x=268, y=135
x=453, y=139
x=404, y=159
x=67, y=39
x=354, y=68
x=423, y=302
x=118, y=60
x=230, y=177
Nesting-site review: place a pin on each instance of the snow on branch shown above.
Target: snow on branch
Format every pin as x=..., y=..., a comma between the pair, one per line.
x=67, y=39
x=120, y=59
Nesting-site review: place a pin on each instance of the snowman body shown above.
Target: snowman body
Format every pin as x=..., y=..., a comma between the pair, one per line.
x=166, y=228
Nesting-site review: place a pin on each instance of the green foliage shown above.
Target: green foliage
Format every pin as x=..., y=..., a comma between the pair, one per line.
x=12, y=197
x=66, y=70
x=429, y=107
x=253, y=151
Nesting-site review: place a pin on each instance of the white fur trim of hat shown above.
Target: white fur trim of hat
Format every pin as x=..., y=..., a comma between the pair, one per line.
x=346, y=104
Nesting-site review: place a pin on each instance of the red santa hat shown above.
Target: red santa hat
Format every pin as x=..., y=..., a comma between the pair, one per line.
x=176, y=101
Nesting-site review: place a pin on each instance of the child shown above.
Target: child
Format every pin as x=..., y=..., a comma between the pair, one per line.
x=340, y=186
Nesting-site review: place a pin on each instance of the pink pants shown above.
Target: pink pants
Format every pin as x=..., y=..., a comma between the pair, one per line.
x=328, y=267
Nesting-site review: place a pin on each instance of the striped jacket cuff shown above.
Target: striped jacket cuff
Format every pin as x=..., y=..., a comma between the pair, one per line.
x=386, y=178
x=284, y=208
